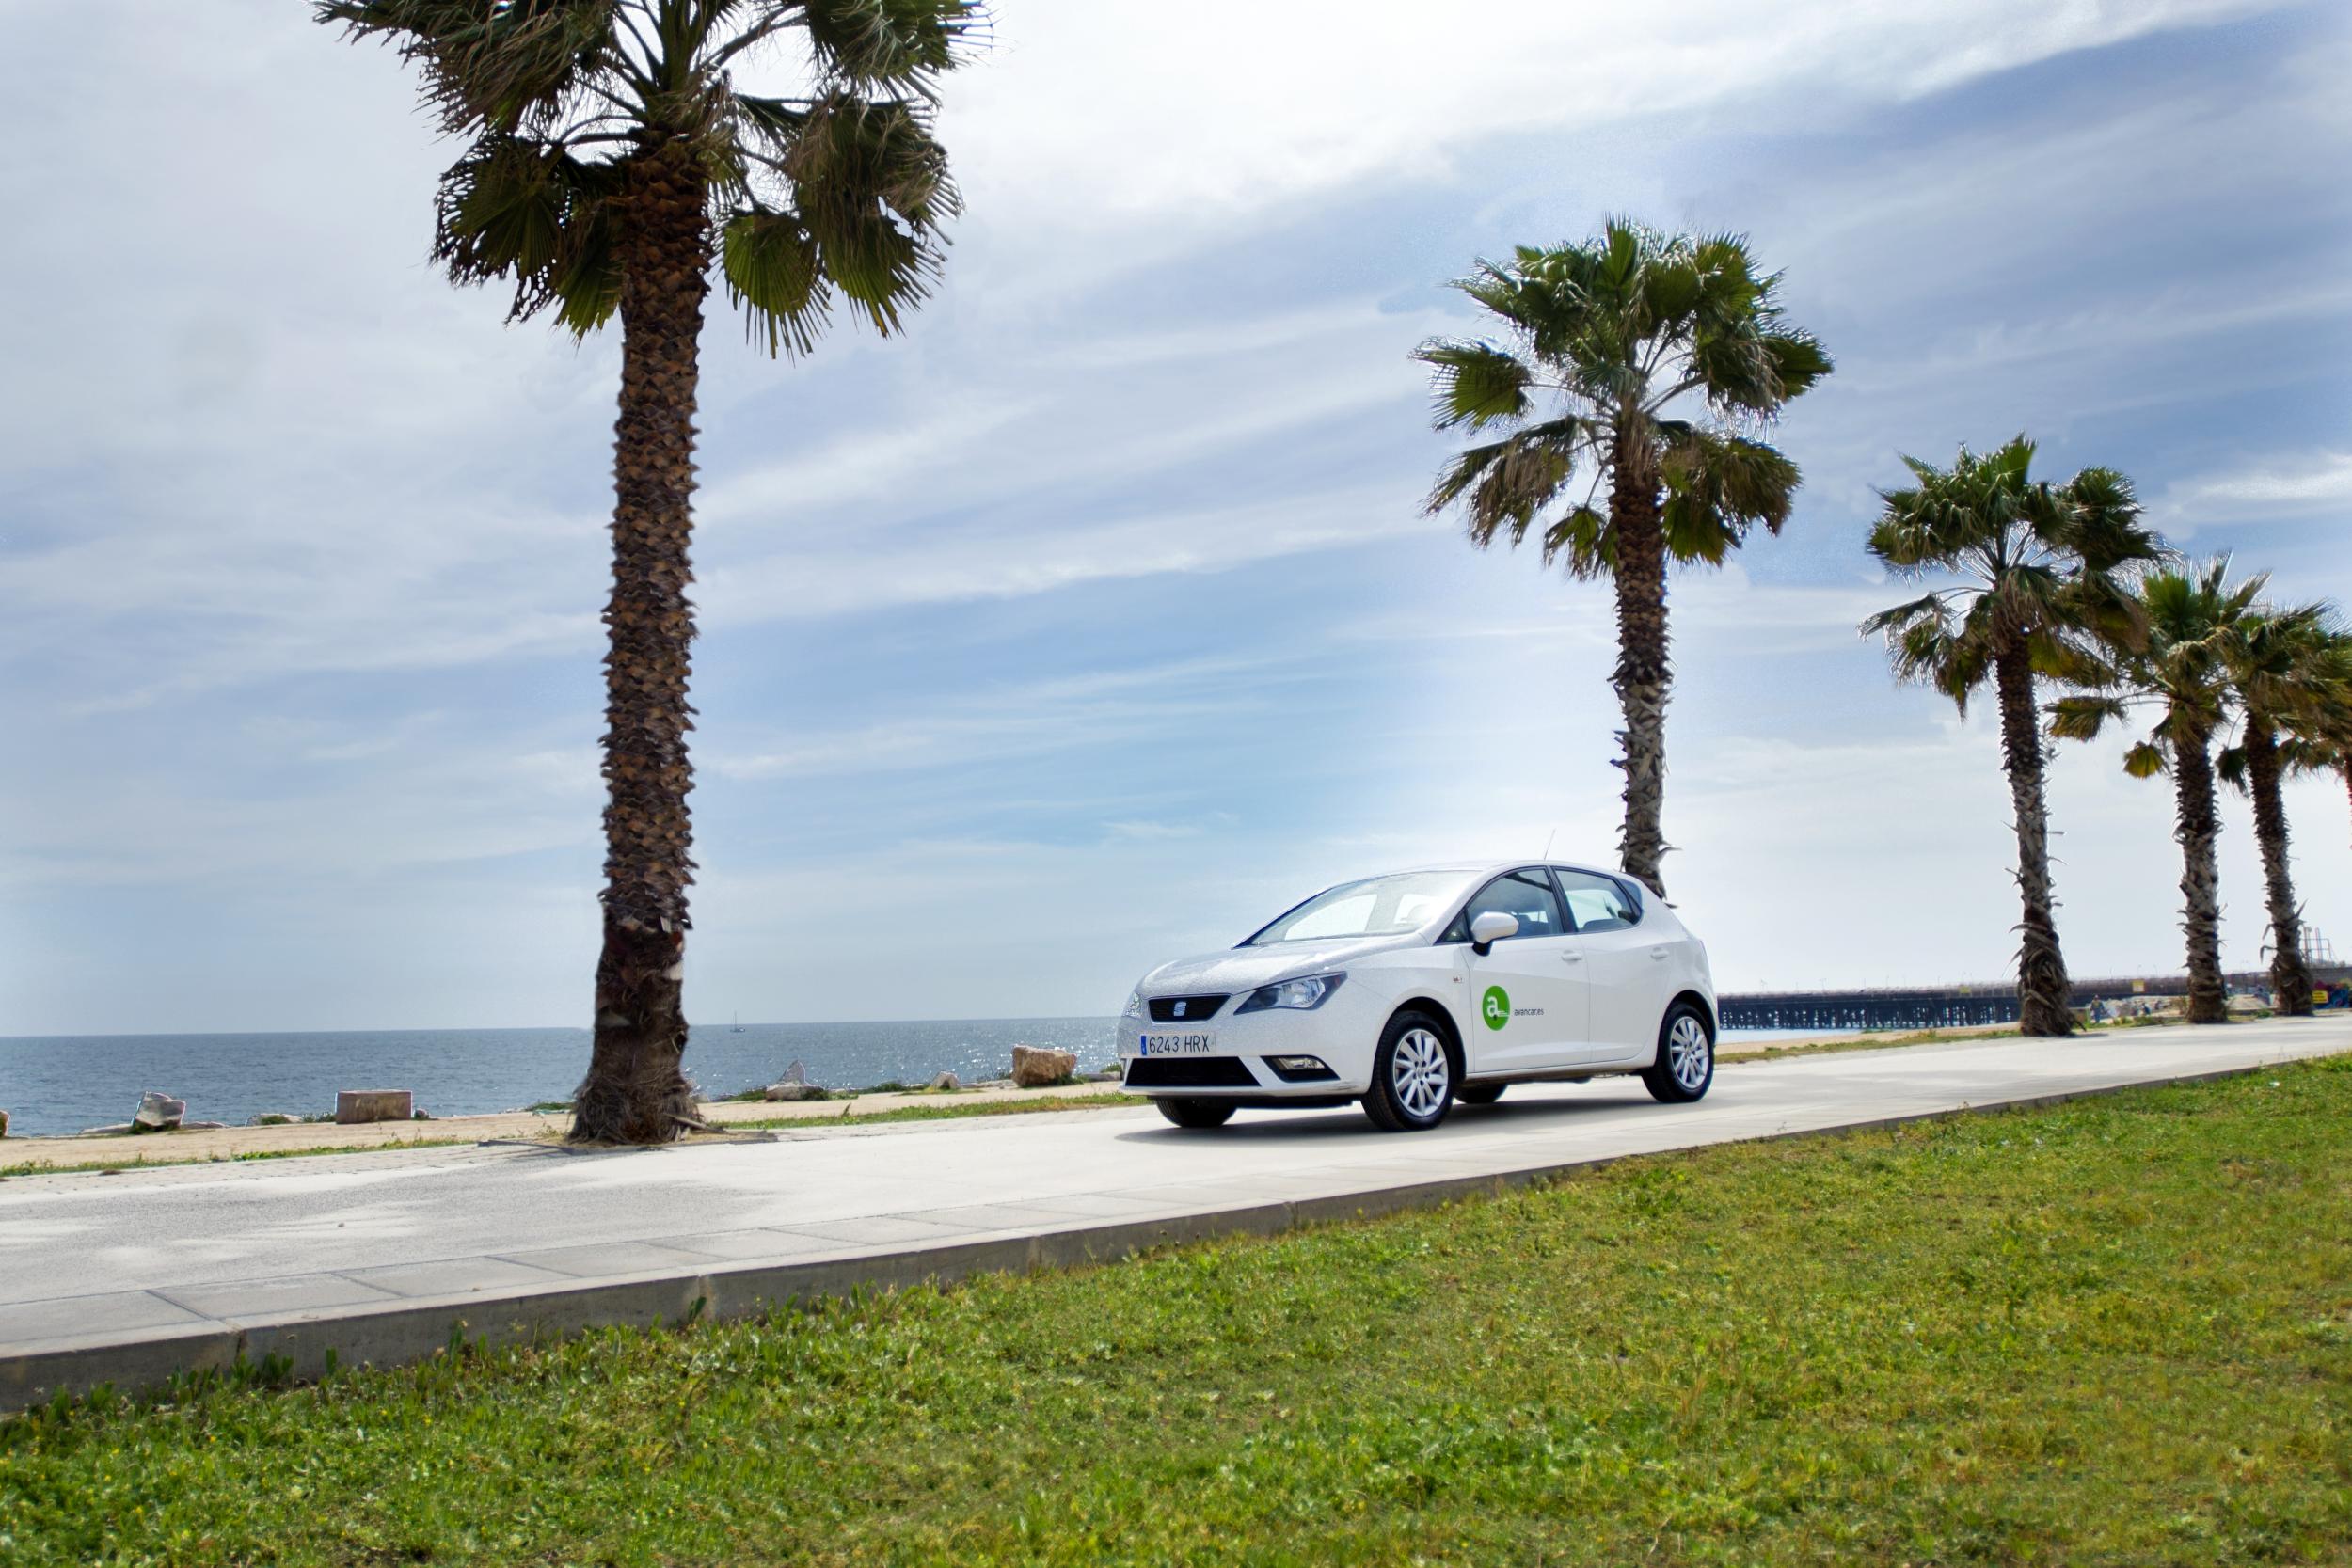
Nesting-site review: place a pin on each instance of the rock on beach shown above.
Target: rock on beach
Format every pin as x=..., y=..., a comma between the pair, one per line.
x=355, y=1106
x=1033, y=1066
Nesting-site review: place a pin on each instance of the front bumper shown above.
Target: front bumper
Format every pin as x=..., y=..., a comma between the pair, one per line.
x=1344, y=1033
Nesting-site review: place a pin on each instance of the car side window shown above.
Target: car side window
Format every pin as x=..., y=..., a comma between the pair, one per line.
x=1598, y=903
x=1525, y=893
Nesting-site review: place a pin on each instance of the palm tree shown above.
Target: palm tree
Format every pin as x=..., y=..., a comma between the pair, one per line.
x=609, y=160
x=2292, y=673
x=2038, y=563
x=2180, y=672
x=1627, y=332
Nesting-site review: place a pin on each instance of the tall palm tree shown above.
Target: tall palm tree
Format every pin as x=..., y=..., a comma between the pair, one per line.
x=611, y=162
x=2037, y=562
x=2180, y=675
x=2292, y=673
x=1654, y=353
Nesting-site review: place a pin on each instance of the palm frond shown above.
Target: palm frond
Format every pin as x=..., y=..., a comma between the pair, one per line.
x=1582, y=537
x=1903, y=616
x=871, y=185
x=1475, y=384
x=521, y=210
x=2083, y=717
x=1719, y=487
x=774, y=273
x=500, y=67
x=901, y=44
x=2229, y=764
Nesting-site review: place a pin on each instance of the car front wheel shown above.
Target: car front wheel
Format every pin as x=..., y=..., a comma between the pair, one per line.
x=1199, y=1114
x=1686, y=1057
x=1413, y=1076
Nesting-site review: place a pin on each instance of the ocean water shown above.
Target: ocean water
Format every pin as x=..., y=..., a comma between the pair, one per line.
x=63, y=1083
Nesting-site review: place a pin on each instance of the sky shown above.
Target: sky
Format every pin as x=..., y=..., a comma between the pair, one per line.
x=1096, y=619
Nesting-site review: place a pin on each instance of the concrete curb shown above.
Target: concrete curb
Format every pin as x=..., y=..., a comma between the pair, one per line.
x=384, y=1334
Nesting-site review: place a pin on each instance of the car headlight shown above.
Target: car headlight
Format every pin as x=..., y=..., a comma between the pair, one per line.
x=1305, y=994
x=1135, y=1003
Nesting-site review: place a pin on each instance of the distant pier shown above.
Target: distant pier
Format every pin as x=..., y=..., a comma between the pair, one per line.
x=1953, y=1006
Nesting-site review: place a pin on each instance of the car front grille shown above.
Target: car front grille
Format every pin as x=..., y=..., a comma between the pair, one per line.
x=1183, y=1009
x=1189, y=1072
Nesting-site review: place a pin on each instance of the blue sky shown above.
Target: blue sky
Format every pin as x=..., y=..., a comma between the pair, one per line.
x=1095, y=619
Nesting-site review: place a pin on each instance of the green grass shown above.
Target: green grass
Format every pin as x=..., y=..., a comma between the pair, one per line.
x=2117, y=1331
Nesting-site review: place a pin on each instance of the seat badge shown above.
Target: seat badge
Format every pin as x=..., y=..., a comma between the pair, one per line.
x=1177, y=1010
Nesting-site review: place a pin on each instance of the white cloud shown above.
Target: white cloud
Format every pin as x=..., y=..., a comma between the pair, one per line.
x=2283, y=486
x=1103, y=708
x=997, y=562
x=1089, y=114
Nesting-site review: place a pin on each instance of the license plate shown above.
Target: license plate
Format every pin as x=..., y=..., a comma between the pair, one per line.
x=1174, y=1045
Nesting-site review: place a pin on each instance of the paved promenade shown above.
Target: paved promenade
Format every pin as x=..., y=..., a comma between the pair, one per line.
x=379, y=1256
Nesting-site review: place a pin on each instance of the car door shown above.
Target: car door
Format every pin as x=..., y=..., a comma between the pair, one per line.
x=1628, y=969
x=1525, y=996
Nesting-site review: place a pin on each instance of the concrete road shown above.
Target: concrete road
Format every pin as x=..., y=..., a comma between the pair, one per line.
x=124, y=1278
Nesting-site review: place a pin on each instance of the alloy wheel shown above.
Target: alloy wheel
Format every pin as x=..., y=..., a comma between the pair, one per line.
x=1688, y=1054
x=1420, y=1073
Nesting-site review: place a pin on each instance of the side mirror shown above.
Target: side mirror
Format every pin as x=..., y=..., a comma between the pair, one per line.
x=1492, y=927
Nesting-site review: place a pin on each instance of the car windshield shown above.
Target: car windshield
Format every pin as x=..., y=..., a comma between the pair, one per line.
x=1377, y=907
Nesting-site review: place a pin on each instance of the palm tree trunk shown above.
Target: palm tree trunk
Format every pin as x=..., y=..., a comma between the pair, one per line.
x=2198, y=828
x=1642, y=676
x=2044, y=996
x=636, y=1089
x=2288, y=976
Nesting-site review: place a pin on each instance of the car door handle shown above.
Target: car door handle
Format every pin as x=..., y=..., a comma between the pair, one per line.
x=1571, y=958
x=1656, y=952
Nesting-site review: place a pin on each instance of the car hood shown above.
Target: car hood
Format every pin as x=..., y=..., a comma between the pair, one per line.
x=1242, y=969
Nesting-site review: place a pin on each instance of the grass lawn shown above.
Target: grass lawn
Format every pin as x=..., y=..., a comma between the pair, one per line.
x=2118, y=1331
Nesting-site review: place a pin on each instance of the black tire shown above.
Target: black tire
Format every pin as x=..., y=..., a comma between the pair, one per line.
x=1199, y=1114
x=1427, y=1090
x=1480, y=1094
x=1679, y=1076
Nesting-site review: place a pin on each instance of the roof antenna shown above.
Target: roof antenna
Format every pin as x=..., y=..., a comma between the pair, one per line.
x=1548, y=838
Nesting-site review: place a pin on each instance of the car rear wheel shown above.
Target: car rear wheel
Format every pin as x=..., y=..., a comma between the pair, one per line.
x=1480, y=1094
x=1199, y=1114
x=1686, y=1057
x=1413, y=1076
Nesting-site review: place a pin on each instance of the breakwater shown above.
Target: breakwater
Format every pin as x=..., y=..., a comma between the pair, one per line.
x=1955, y=1005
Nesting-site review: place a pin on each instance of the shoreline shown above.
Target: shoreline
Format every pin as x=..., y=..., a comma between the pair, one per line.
x=130, y=1152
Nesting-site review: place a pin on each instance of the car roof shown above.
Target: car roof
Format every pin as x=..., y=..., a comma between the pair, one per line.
x=1492, y=868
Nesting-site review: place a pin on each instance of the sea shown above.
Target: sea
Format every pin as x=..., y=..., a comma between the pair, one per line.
x=59, y=1083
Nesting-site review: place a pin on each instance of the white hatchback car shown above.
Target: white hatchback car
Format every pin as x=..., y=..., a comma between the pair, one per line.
x=1411, y=990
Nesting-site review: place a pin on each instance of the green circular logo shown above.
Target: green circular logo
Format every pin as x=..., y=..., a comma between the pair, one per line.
x=1496, y=1004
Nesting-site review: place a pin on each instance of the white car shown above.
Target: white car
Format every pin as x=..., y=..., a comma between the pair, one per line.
x=1408, y=991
